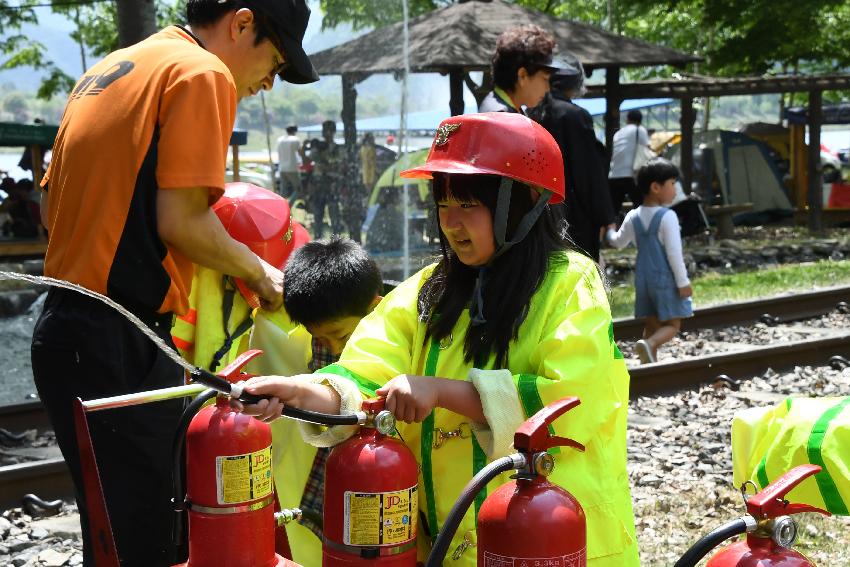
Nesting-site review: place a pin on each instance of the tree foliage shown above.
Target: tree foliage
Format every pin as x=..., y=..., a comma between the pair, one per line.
x=734, y=36
x=362, y=14
x=96, y=33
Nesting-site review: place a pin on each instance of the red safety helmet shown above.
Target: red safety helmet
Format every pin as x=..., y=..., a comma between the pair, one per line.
x=261, y=220
x=496, y=143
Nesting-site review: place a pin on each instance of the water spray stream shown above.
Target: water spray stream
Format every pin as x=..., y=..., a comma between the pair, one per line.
x=402, y=140
x=172, y=354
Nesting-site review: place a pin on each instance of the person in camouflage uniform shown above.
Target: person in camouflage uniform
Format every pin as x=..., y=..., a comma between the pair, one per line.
x=354, y=195
x=328, y=179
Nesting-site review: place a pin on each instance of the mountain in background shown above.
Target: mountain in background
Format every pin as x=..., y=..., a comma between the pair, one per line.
x=425, y=91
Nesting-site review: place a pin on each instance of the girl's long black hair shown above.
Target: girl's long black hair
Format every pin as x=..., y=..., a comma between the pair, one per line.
x=511, y=280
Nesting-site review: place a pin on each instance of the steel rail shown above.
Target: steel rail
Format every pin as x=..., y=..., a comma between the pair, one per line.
x=664, y=377
x=787, y=308
x=49, y=479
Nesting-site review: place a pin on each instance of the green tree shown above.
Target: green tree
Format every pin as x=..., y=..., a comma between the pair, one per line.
x=377, y=13
x=96, y=33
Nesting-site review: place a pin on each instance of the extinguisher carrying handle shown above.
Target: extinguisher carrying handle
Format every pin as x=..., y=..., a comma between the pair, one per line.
x=533, y=436
x=771, y=503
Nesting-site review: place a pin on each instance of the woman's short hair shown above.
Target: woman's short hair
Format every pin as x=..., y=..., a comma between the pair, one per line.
x=527, y=46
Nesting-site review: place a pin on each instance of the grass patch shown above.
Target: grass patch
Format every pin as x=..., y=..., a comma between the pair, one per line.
x=714, y=289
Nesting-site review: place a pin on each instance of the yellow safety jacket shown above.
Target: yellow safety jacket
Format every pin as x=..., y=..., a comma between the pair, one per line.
x=565, y=348
x=767, y=442
x=201, y=335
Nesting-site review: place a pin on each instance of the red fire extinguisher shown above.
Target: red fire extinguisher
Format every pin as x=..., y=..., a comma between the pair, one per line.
x=769, y=527
x=528, y=518
x=229, y=493
x=371, y=498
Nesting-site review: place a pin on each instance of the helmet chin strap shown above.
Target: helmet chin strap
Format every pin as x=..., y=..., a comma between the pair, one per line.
x=500, y=227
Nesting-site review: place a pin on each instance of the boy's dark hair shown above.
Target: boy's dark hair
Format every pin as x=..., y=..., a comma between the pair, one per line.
x=634, y=117
x=656, y=170
x=523, y=46
x=291, y=129
x=202, y=13
x=511, y=281
x=330, y=279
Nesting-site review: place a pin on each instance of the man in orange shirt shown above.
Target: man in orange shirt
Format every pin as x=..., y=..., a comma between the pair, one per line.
x=139, y=158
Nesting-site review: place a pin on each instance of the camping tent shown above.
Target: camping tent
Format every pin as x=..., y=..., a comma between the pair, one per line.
x=744, y=168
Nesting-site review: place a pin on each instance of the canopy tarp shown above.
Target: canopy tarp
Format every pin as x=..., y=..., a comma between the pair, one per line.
x=16, y=135
x=428, y=120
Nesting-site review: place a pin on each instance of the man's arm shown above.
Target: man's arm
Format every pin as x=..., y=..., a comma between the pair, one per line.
x=186, y=222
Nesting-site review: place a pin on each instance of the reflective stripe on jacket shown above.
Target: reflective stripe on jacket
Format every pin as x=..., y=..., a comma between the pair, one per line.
x=767, y=442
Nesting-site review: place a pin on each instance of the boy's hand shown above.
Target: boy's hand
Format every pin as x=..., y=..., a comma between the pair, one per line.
x=686, y=291
x=410, y=398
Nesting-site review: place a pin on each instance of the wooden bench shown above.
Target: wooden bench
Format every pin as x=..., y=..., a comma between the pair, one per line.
x=829, y=217
x=722, y=215
x=17, y=247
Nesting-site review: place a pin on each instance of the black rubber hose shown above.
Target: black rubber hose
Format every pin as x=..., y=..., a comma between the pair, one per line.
x=178, y=462
x=470, y=491
x=221, y=385
x=711, y=540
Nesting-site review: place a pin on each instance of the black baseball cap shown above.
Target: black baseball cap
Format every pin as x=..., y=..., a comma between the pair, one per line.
x=564, y=66
x=288, y=19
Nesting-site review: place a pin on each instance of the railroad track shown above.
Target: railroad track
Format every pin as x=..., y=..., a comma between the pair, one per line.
x=49, y=478
x=785, y=308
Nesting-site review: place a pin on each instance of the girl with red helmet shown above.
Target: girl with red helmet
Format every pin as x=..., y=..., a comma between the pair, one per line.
x=509, y=320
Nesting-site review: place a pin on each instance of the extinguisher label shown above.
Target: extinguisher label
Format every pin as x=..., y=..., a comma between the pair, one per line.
x=577, y=559
x=380, y=518
x=242, y=478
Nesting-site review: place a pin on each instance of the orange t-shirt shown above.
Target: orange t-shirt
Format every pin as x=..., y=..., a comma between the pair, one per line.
x=156, y=115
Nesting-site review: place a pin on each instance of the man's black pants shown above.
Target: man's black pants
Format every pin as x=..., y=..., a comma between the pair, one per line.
x=620, y=188
x=83, y=348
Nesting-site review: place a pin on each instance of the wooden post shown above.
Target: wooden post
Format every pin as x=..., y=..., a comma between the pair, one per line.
x=686, y=146
x=456, y=105
x=815, y=170
x=235, y=149
x=37, y=164
x=799, y=172
x=349, y=112
x=612, y=108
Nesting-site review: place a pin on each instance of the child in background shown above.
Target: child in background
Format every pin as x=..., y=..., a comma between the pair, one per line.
x=330, y=286
x=508, y=320
x=662, y=289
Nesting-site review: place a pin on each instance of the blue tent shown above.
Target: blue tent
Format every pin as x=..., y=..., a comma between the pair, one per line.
x=428, y=120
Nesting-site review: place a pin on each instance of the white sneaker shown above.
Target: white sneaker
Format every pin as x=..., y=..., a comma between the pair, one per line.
x=644, y=352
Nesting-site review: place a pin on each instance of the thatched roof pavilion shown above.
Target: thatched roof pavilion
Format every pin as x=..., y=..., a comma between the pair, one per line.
x=460, y=38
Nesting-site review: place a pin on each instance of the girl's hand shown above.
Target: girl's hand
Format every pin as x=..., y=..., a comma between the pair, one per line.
x=411, y=398
x=281, y=391
x=686, y=291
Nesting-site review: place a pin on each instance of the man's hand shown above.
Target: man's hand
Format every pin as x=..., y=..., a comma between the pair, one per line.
x=686, y=291
x=410, y=398
x=269, y=287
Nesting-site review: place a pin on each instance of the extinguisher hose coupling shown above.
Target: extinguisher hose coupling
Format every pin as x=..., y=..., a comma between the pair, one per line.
x=711, y=540
x=286, y=516
x=519, y=460
x=236, y=390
